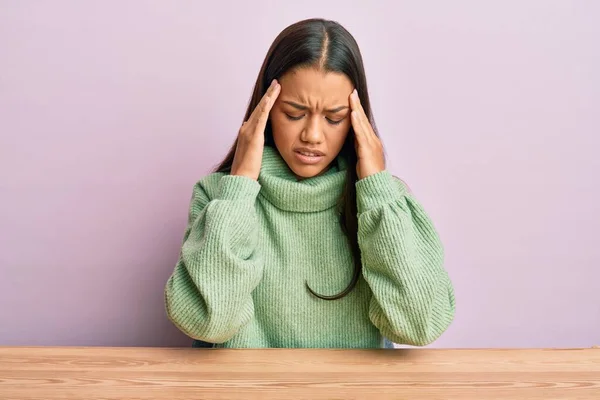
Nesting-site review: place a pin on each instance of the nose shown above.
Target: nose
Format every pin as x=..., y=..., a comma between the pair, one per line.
x=313, y=131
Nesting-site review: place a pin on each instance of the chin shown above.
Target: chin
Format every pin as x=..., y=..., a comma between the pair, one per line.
x=307, y=171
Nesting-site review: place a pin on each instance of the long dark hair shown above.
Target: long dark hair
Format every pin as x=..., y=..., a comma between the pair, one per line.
x=330, y=47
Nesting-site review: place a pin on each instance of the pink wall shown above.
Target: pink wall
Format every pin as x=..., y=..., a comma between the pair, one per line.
x=110, y=111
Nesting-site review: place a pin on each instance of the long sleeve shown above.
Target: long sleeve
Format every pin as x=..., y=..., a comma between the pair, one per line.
x=208, y=296
x=402, y=256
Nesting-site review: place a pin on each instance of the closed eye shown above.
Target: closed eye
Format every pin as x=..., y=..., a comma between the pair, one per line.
x=334, y=122
x=292, y=118
x=331, y=121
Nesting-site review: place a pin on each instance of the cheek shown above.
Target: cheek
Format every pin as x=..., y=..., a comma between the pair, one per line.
x=339, y=135
x=283, y=130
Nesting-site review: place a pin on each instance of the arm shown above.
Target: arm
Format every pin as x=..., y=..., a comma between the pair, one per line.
x=208, y=296
x=402, y=256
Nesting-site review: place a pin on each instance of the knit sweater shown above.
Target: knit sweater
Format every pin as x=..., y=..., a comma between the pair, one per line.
x=250, y=247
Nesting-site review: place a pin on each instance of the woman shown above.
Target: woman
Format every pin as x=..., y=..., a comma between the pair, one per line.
x=301, y=237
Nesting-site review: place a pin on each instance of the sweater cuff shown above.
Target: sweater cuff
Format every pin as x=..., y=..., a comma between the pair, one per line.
x=234, y=187
x=377, y=190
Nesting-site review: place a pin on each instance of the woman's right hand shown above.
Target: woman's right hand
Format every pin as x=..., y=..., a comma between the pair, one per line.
x=251, y=137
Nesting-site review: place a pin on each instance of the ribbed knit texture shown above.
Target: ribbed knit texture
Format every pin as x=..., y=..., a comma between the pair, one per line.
x=250, y=246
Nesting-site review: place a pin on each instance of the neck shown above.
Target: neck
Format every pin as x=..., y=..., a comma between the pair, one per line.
x=290, y=192
x=301, y=178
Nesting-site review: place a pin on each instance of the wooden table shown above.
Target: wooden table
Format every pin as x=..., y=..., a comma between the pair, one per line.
x=158, y=373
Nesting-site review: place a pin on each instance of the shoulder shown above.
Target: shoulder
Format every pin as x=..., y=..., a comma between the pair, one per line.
x=401, y=184
x=207, y=188
x=203, y=192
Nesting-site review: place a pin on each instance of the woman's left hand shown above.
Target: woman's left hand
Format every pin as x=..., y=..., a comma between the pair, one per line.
x=369, y=148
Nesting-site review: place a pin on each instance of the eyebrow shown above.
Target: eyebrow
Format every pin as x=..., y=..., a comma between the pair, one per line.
x=301, y=107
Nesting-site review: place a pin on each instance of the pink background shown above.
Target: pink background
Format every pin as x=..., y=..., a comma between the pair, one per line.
x=111, y=110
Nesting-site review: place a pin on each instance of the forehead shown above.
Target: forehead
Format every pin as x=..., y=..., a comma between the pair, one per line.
x=311, y=86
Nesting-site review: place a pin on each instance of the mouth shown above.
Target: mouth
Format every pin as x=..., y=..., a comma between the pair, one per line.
x=307, y=156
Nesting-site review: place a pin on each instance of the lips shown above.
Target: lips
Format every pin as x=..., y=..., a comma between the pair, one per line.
x=308, y=156
x=309, y=152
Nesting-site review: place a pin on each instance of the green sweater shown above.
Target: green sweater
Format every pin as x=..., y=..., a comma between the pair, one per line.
x=250, y=246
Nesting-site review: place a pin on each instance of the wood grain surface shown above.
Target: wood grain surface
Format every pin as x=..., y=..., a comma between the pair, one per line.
x=50, y=373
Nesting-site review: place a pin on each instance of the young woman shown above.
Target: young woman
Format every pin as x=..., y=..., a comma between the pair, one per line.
x=301, y=237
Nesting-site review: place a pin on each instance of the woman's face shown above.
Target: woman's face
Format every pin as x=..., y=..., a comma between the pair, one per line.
x=311, y=119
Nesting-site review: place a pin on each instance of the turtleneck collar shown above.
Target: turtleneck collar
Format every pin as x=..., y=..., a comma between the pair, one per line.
x=280, y=187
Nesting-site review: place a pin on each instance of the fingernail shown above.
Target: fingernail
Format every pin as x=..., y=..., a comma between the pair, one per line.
x=273, y=82
x=355, y=92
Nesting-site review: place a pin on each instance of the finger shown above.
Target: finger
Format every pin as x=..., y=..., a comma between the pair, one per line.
x=361, y=126
x=267, y=107
x=356, y=114
x=362, y=115
x=357, y=103
x=368, y=131
x=265, y=99
x=354, y=100
x=359, y=133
